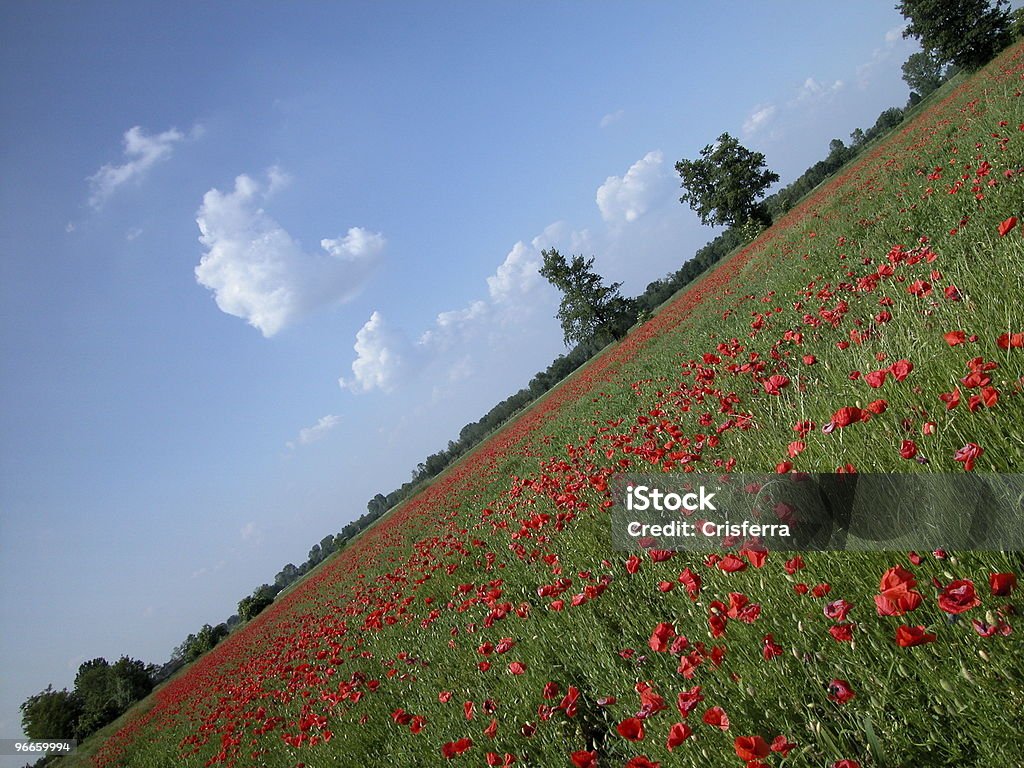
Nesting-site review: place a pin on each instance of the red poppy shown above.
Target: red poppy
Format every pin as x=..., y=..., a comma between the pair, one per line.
x=968, y=454
x=1006, y=226
x=876, y=379
x=782, y=745
x=837, y=610
x=774, y=385
x=677, y=734
x=1008, y=340
x=847, y=415
x=687, y=701
x=842, y=633
x=691, y=581
x=453, y=748
x=901, y=369
x=958, y=597
x=771, y=649
x=661, y=636
x=631, y=729
x=908, y=637
x=840, y=691
x=716, y=717
x=955, y=337
x=1002, y=584
x=642, y=761
x=908, y=449
x=584, y=759
x=751, y=747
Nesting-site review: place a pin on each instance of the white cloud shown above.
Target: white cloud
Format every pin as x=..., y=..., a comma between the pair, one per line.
x=895, y=34
x=516, y=275
x=142, y=153
x=813, y=91
x=760, y=117
x=612, y=117
x=895, y=48
x=316, y=432
x=624, y=199
x=382, y=355
x=133, y=233
x=481, y=342
x=258, y=272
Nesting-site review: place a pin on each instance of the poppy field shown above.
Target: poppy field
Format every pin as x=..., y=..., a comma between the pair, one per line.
x=878, y=326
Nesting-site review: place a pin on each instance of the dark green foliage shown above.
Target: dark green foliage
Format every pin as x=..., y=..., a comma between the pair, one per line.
x=253, y=605
x=102, y=692
x=51, y=714
x=923, y=72
x=197, y=644
x=1017, y=24
x=589, y=308
x=967, y=33
x=723, y=185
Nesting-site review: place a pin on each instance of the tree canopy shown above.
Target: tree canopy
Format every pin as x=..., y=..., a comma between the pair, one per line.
x=724, y=183
x=589, y=308
x=923, y=72
x=967, y=33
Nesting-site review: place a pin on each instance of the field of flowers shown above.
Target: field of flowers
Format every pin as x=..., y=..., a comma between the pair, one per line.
x=878, y=327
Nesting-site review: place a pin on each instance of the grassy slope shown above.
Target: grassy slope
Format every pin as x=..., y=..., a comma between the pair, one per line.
x=369, y=614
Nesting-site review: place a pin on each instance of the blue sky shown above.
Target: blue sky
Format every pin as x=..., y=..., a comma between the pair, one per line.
x=258, y=260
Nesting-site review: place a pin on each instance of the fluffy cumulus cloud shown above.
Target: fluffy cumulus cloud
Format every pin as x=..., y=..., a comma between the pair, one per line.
x=383, y=354
x=624, y=199
x=141, y=153
x=258, y=272
x=759, y=118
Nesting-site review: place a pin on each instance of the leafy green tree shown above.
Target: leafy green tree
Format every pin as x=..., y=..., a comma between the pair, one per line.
x=51, y=714
x=724, y=184
x=923, y=72
x=589, y=308
x=966, y=32
x=286, y=576
x=197, y=644
x=254, y=604
x=96, y=686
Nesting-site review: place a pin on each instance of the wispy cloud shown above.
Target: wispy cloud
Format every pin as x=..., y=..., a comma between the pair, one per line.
x=142, y=152
x=316, y=432
x=612, y=117
x=759, y=118
x=813, y=91
x=258, y=272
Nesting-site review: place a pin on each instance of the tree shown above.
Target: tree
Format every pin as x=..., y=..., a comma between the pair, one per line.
x=253, y=605
x=96, y=686
x=923, y=72
x=966, y=32
x=723, y=186
x=51, y=714
x=589, y=308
